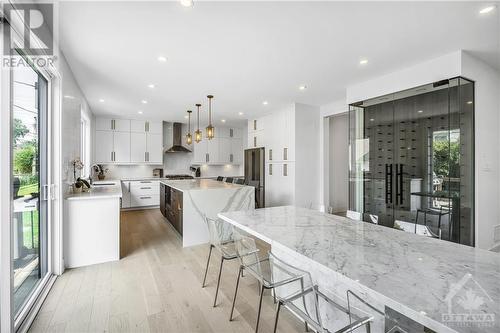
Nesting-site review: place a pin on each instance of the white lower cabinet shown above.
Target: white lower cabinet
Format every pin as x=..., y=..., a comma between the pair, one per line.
x=143, y=193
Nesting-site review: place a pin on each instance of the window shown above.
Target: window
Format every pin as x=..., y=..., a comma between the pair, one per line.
x=85, y=143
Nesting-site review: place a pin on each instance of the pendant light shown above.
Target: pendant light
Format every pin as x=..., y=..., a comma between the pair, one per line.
x=189, y=138
x=197, y=133
x=210, y=129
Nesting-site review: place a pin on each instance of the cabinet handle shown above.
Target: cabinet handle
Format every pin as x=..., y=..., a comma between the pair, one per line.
x=145, y=156
x=231, y=132
x=255, y=125
x=285, y=154
x=285, y=170
x=270, y=169
x=112, y=124
x=145, y=188
x=111, y=156
x=148, y=151
x=270, y=154
x=255, y=141
x=145, y=182
x=145, y=197
x=231, y=158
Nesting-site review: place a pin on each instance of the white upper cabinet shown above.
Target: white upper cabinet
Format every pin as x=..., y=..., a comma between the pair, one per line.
x=222, y=132
x=213, y=155
x=200, y=152
x=222, y=149
x=237, y=151
x=124, y=141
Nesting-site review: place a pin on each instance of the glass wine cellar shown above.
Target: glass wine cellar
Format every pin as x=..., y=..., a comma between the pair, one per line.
x=411, y=163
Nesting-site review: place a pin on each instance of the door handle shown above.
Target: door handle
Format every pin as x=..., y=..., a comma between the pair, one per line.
x=270, y=154
x=388, y=183
x=399, y=184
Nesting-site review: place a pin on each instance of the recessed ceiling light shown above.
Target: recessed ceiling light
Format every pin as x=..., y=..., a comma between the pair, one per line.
x=223, y=120
x=151, y=85
x=187, y=3
x=139, y=112
x=469, y=102
x=144, y=101
x=420, y=111
x=265, y=103
x=303, y=87
x=486, y=10
x=101, y=100
x=240, y=113
x=186, y=117
x=371, y=119
x=69, y=97
x=363, y=61
x=162, y=59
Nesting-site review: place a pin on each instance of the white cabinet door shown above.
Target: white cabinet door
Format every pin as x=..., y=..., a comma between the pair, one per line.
x=225, y=150
x=237, y=151
x=138, y=126
x=103, y=146
x=270, y=186
x=222, y=132
x=237, y=133
x=213, y=151
x=122, y=125
x=138, y=147
x=121, y=147
x=289, y=136
x=154, y=148
x=200, y=152
x=103, y=124
x=287, y=183
x=125, y=194
x=155, y=127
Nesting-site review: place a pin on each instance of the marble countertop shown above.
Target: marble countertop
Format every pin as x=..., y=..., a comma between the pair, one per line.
x=99, y=191
x=199, y=184
x=418, y=273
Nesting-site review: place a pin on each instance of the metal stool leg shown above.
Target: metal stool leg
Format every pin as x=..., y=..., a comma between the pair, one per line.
x=218, y=282
x=206, y=269
x=260, y=307
x=240, y=273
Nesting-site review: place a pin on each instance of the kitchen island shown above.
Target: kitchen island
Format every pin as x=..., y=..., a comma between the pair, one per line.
x=184, y=203
x=414, y=281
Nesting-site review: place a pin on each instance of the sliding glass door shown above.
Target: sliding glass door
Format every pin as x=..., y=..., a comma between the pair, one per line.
x=30, y=215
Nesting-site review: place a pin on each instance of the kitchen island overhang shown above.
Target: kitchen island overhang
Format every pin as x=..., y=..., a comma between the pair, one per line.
x=185, y=203
x=397, y=272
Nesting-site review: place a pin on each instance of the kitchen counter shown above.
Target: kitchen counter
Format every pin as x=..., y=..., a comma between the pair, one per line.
x=99, y=191
x=199, y=184
x=434, y=282
x=185, y=203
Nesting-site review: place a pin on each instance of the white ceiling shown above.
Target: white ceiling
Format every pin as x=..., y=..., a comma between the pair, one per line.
x=248, y=52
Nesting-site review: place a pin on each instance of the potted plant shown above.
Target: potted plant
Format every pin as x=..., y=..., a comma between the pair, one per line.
x=78, y=184
x=101, y=171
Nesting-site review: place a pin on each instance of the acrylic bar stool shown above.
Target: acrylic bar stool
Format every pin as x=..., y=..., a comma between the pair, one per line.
x=260, y=269
x=221, y=238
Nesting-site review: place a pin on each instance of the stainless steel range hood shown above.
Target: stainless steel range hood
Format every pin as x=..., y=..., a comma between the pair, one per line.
x=177, y=141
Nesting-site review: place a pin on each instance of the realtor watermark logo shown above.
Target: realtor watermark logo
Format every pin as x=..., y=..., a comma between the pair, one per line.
x=28, y=34
x=468, y=304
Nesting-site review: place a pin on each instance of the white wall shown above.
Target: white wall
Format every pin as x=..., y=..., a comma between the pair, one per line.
x=338, y=162
x=307, y=153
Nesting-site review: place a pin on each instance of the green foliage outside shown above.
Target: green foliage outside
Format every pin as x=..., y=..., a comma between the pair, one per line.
x=20, y=130
x=446, y=158
x=30, y=240
x=23, y=159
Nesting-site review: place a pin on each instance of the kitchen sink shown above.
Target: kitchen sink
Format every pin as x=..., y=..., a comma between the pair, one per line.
x=104, y=184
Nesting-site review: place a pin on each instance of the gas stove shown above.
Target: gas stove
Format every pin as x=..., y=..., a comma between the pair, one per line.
x=177, y=177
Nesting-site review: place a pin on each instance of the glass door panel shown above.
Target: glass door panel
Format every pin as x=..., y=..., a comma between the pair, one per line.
x=29, y=158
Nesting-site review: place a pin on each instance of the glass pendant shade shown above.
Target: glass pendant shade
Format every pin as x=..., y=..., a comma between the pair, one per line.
x=210, y=129
x=189, y=138
x=197, y=133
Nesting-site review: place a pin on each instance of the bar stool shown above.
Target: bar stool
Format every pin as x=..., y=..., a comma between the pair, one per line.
x=260, y=269
x=240, y=181
x=221, y=238
x=229, y=179
x=220, y=178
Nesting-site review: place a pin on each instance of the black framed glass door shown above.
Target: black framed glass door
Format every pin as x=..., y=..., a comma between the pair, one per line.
x=412, y=157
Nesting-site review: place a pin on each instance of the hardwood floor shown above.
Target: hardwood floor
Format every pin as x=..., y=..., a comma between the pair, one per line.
x=155, y=287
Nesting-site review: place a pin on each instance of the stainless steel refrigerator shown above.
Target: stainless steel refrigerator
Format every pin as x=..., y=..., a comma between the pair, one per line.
x=254, y=174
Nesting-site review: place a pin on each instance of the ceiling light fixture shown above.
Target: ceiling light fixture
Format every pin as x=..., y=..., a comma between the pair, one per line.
x=101, y=100
x=240, y=113
x=162, y=59
x=144, y=101
x=187, y=3
x=139, y=112
x=303, y=87
x=189, y=138
x=265, y=103
x=363, y=61
x=487, y=10
x=223, y=120
x=197, y=133
x=210, y=129
x=151, y=85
